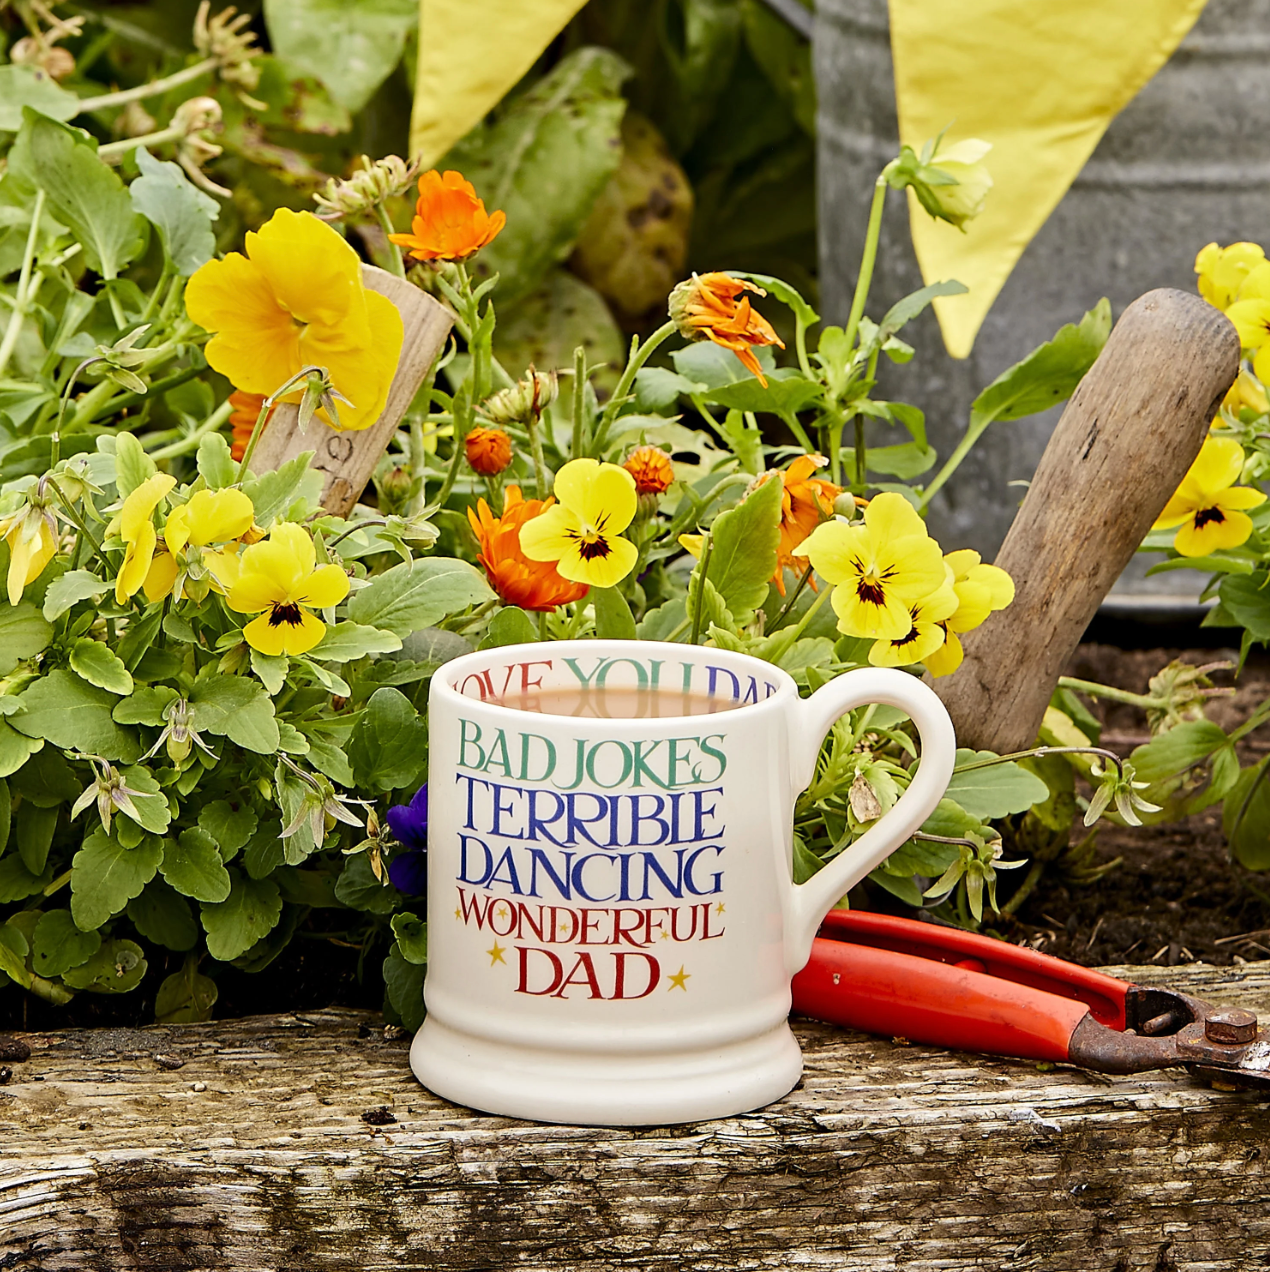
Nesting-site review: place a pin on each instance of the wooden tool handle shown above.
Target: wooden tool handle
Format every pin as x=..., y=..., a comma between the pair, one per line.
x=1128, y=435
x=348, y=459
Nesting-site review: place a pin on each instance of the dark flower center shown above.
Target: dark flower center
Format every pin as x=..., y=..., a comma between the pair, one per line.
x=591, y=549
x=289, y=613
x=1209, y=516
x=870, y=593
x=906, y=640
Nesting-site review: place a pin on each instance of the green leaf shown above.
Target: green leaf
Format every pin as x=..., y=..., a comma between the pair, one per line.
x=1246, y=598
x=82, y=191
x=15, y=749
x=116, y=968
x=47, y=780
x=785, y=393
x=350, y=48
x=806, y=863
x=23, y=633
x=412, y=936
x=105, y=876
x=1047, y=376
x=231, y=828
x=419, y=594
x=192, y=865
x=784, y=293
x=1181, y=748
x=904, y=311
x=145, y=706
x=186, y=997
x=239, y=709
x=359, y=889
x=273, y=493
x=250, y=913
x=35, y=827
x=346, y=641
x=181, y=212
x=271, y=669
x=905, y=461
x=613, y=618
x=162, y=915
x=59, y=944
x=897, y=885
x=153, y=813
x=389, y=744
x=132, y=465
x=509, y=626
x=17, y=882
x=6, y=815
x=403, y=981
x=215, y=463
x=663, y=622
x=997, y=791
x=73, y=586
x=93, y=661
x=76, y=716
x=543, y=161
x=712, y=366
x=327, y=756
x=136, y=641
x=743, y=553
x=25, y=86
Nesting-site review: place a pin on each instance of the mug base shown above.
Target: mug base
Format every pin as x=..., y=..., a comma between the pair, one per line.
x=594, y=1089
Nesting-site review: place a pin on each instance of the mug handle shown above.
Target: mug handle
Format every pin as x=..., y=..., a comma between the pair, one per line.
x=810, y=720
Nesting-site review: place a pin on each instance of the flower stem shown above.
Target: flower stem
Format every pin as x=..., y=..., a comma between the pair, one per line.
x=640, y=353
x=579, y=401
x=1145, y=701
x=397, y=265
x=535, y=447
x=79, y=522
x=706, y=548
x=859, y=453
x=867, y=261
x=152, y=89
x=190, y=443
x=791, y=600
x=258, y=428
x=113, y=150
x=25, y=292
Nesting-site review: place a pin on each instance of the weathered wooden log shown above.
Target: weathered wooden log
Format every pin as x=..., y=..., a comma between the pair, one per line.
x=348, y=459
x=1128, y=435
x=302, y=1143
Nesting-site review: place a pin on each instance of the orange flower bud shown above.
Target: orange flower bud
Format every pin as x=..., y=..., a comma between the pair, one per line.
x=651, y=468
x=488, y=450
x=715, y=307
x=450, y=222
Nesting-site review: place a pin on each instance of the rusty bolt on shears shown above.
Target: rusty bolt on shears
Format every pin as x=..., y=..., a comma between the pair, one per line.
x=956, y=989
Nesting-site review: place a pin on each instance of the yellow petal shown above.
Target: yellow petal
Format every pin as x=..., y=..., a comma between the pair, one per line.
x=140, y=505
x=1213, y=536
x=261, y=635
x=224, y=566
x=1240, y=497
x=985, y=588
x=551, y=534
x=160, y=577
x=599, y=571
x=1255, y=284
x=216, y=516
x=136, y=562
x=601, y=495
x=1252, y=321
x=887, y=618
x=836, y=550
x=176, y=533
x=1218, y=464
x=313, y=272
x=691, y=543
x=362, y=373
x=272, y=635
x=29, y=555
x=1261, y=363
x=962, y=562
x=947, y=658
x=918, y=643
x=254, y=590
x=327, y=585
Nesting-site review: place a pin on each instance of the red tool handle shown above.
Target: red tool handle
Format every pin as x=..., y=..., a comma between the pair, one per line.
x=951, y=988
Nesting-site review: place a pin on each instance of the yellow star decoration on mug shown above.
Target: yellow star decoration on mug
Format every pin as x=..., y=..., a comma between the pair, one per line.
x=679, y=979
x=496, y=954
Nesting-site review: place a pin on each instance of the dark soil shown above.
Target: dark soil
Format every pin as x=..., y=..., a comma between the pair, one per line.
x=1176, y=897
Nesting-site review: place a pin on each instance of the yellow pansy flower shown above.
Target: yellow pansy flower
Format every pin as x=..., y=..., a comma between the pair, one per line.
x=135, y=526
x=880, y=567
x=31, y=535
x=280, y=576
x=1251, y=315
x=209, y=516
x=980, y=589
x=926, y=632
x=1246, y=394
x=1208, y=508
x=1222, y=270
x=296, y=299
x=582, y=533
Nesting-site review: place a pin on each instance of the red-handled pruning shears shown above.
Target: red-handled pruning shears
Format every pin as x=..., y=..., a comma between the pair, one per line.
x=956, y=989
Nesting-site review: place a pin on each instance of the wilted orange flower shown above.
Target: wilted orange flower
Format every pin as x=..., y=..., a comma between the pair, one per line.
x=713, y=307
x=243, y=420
x=651, y=468
x=533, y=585
x=488, y=450
x=450, y=222
x=806, y=501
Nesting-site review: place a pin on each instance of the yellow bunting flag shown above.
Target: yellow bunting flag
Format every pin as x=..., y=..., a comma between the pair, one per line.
x=1040, y=81
x=471, y=52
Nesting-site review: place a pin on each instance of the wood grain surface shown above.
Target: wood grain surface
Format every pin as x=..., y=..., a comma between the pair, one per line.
x=1126, y=439
x=348, y=459
x=304, y=1143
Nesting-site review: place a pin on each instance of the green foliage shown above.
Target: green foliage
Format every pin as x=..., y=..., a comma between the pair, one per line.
x=182, y=214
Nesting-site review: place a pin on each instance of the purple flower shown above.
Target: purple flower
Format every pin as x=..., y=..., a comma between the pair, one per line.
x=408, y=871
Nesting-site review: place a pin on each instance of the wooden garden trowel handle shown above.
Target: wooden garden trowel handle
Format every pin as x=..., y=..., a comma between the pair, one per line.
x=1126, y=439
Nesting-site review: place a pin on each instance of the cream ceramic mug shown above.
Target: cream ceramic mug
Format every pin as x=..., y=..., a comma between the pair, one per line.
x=612, y=922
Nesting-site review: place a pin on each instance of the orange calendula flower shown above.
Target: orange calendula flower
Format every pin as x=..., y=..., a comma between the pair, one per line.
x=651, y=468
x=715, y=307
x=488, y=450
x=806, y=501
x=450, y=222
x=533, y=585
x=242, y=420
